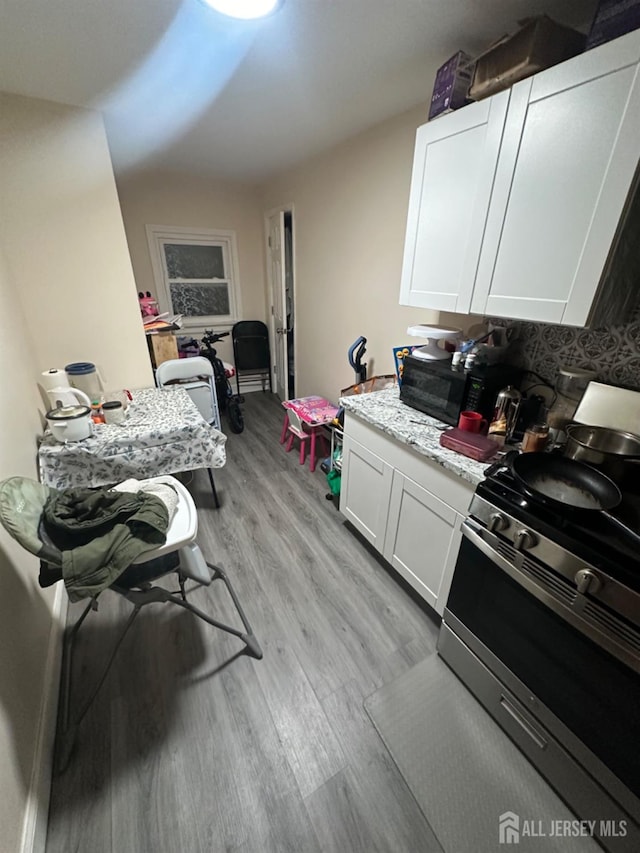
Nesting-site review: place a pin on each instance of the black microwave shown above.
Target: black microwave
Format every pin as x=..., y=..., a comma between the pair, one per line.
x=434, y=388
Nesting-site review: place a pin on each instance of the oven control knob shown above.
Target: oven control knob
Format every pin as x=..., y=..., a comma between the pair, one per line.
x=524, y=539
x=587, y=581
x=498, y=521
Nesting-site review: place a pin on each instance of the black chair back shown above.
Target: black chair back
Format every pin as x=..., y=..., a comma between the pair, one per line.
x=251, y=352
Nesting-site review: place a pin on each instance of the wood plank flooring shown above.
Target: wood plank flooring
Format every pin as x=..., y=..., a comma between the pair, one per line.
x=193, y=747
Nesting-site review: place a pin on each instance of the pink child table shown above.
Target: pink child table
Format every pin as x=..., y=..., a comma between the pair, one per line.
x=312, y=412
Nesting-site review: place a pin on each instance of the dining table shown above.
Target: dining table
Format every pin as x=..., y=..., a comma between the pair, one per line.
x=162, y=433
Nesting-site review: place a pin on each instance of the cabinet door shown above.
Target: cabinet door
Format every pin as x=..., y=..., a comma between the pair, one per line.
x=567, y=161
x=422, y=539
x=453, y=170
x=365, y=491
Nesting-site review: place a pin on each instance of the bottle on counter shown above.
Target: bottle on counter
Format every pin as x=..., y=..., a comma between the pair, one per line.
x=96, y=412
x=535, y=438
x=470, y=360
x=456, y=360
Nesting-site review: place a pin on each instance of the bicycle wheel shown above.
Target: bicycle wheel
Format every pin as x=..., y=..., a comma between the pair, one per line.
x=234, y=413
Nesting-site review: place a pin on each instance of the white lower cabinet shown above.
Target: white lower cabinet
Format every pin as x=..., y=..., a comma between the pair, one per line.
x=422, y=539
x=409, y=508
x=366, y=479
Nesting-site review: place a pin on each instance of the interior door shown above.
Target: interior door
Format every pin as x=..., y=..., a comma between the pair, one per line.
x=279, y=303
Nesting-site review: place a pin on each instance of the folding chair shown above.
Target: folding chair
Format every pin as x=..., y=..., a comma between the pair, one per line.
x=195, y=375
x=21, y=506
x=251, y=352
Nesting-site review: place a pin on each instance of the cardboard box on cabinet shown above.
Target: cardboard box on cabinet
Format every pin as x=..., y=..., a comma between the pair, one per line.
x=538, y=44
x=613, y=18
x=452, y=84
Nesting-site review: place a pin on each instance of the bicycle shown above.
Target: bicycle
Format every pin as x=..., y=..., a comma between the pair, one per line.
x=228, y=402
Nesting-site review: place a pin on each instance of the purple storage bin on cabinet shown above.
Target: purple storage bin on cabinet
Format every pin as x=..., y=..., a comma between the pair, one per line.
x=451, y=85
x=613, y=18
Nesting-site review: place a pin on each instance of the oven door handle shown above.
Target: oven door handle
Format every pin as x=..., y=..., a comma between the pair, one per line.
x=474, y=533
x=527, y=727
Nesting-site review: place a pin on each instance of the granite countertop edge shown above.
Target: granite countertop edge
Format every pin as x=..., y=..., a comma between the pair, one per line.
x=385, y=411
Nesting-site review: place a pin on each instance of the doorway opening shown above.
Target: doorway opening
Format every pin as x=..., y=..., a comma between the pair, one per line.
x=280, y=266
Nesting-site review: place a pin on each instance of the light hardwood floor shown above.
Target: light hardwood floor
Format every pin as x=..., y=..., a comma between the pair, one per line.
x=193, y=747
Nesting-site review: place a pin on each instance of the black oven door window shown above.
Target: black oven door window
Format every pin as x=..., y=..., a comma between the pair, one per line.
x=592, y=693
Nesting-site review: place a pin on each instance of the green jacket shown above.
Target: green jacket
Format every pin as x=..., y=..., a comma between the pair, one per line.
x=100, y=532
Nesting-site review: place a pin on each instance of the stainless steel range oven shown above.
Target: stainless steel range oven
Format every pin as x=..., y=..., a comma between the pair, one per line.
x=543, y=625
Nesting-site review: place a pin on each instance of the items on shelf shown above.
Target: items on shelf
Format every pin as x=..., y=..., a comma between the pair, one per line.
x=148, y=305
x=613, y=18
x=452, y=84
x=538, y=44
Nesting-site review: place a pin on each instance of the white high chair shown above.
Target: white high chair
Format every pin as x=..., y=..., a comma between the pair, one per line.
x=21, y=505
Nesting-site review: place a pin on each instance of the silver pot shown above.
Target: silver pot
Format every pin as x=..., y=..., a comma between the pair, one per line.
x=607, y=449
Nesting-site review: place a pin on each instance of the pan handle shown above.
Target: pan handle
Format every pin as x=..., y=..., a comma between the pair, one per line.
x=502, y=464
x=621, y=525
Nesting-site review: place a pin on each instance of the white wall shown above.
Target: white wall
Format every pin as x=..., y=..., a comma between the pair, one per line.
x=66, y=293
x=64, y=241
x=349, y=223
x=25, y=610
x=160, y=198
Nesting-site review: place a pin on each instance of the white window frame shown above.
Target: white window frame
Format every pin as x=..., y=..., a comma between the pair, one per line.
x=158, y=235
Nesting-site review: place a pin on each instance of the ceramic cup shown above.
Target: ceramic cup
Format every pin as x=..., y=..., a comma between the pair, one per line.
x=472, y=422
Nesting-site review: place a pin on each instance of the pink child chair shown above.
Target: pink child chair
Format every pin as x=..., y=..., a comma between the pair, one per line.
x=295, y=429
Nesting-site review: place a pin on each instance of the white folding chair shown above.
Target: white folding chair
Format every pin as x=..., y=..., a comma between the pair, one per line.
x=195, y=375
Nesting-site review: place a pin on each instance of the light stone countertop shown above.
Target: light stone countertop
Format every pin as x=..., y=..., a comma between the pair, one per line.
x=383, y=409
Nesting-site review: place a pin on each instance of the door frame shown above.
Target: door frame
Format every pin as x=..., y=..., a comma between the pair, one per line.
x=282, y=208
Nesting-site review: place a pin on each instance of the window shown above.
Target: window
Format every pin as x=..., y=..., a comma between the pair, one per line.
x=196, y=274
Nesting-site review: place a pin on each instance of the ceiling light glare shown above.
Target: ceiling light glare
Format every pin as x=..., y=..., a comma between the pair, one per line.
x=245, y=9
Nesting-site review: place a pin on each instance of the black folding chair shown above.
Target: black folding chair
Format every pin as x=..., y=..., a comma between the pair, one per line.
x=251, y=352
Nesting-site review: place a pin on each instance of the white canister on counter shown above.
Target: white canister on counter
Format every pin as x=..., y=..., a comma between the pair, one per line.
x=113, y=412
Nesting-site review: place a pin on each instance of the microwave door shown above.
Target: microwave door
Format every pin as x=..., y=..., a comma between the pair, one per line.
x=435, y=395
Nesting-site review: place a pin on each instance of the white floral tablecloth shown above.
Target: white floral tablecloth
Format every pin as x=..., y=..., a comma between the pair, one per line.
x=163, y=433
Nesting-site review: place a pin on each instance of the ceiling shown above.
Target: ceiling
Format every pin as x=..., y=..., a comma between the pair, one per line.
x=183, y=88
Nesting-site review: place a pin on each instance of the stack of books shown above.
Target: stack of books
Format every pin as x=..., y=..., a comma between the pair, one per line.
x=162, y=323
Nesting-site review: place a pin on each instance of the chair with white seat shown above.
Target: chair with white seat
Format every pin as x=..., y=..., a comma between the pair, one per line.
x=195, y=375
x=179, y=555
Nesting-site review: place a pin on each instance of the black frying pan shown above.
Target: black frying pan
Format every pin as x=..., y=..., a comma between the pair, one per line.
x=565, y=484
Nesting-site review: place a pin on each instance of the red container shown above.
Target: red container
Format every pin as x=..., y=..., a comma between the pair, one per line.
x=470, y=444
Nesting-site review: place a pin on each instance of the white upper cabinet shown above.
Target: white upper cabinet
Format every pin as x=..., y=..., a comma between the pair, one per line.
x=568, y=159
x=557, y=205
x=453, y=171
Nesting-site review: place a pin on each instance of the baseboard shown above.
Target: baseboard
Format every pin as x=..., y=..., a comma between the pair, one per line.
x=34, y=826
